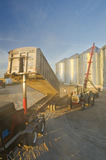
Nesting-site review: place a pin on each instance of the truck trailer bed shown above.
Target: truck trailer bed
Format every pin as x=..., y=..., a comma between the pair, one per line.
x=32, y=62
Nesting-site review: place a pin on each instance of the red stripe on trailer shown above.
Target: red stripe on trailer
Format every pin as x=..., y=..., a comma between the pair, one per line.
x=24, y=94
x=25, y=105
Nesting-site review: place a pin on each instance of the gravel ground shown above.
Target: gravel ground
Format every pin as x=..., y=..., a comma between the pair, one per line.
x=69, y=135
x=72, y=135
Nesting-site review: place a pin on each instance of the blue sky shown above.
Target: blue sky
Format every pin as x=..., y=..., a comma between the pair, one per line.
x=60, y=28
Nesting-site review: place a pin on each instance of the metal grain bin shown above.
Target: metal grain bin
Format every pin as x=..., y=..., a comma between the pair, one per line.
x=103, y=67
x=72, y=69
x=31, y=61
x=60, y=70
x=95, y=66
x=82, y=67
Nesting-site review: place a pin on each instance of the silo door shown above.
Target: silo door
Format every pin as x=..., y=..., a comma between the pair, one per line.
x=22, y=64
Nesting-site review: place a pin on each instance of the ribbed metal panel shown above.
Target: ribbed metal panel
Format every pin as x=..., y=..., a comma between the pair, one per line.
x=95, y=66
x=71, y=69
x=82, y=67
x=30, y=60
x=95, y=69
x=60, y=70
x=103, y=67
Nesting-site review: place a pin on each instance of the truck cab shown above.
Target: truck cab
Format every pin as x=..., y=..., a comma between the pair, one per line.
x=12, y=125
x=15, y=129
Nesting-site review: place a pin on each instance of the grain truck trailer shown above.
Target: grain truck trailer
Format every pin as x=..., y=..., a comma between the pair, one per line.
x=29, y=66
x=32, y=62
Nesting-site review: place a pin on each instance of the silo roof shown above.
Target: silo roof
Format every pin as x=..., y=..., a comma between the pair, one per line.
x=104, y=47
x=96, y=50
x=74, y=56
x=62, y=61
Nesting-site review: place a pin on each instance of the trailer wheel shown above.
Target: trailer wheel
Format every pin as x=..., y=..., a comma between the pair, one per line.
x=82, y=106
x=41, y=127
x=93, y=102
x=91, y=99
x=32, y=138
x=86, y=98
x=71, y=103
x=96, y=95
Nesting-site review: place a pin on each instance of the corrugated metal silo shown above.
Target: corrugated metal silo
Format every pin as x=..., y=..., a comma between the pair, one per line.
x=95, y=66
x=103, y=67
x=71, y=69
x=60, y=70
x=82, y=67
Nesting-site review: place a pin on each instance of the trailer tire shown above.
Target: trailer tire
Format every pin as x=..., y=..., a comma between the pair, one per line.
x=96, y=95
x=32, y=138
x=86, y=98
x=91, y=99
x=82, y=106
x=41, y=127
x=71, y=104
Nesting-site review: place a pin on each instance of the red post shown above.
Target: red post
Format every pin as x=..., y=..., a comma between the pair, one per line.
x=24, y=94
x=89, y=65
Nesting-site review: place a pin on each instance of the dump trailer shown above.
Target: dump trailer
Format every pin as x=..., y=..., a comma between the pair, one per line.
x=32, y=62
x=29, y=66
